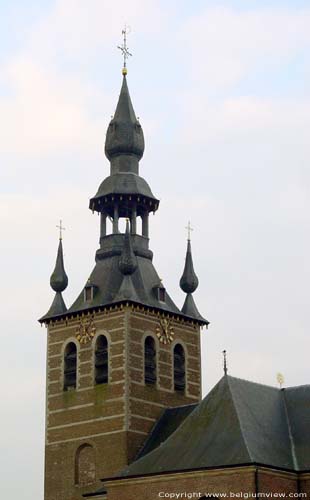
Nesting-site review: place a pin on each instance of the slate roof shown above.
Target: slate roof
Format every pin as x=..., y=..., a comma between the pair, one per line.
x=123, y=194
x=170, y=420
x=112, y=287
x=238, y=422
x=108, y=278
x=297, y=401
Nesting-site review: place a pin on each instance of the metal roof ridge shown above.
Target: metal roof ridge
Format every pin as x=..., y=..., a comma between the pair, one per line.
x=290, y=433
x=238, y=416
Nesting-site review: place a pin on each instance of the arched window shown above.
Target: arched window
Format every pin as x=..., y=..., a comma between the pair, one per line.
x=101, y=360
x=179, y=368
x=70, y=366
x=149, y=361
x=85, y=466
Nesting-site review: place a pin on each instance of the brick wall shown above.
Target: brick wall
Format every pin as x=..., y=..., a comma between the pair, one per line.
x=114, y=418
x=212, y=482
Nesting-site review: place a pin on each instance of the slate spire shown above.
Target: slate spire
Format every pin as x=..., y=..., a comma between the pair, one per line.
x=58, y=282
x=124, y=136
x=127, y=261
x=189, y=283
x=59, y=278
x=124, y=193
x=127, y=265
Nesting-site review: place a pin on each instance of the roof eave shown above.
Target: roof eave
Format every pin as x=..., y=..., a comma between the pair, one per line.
x=215, y=467
x=103, y=307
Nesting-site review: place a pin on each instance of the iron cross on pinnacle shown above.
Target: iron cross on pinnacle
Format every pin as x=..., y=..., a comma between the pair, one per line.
x=224, y=362
x=61, y=229
x=124, y=49
x=189, y=229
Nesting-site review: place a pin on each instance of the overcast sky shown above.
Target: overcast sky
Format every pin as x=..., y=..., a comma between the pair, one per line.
x=222, y=92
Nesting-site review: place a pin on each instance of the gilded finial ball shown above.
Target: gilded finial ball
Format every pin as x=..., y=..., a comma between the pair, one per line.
x=124, y=71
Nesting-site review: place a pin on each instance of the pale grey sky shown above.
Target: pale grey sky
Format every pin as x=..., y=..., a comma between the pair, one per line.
x=222, y=92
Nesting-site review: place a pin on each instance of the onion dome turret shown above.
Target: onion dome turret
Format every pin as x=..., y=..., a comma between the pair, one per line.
x=124, y=193
x=189, y=283
x=58, y=282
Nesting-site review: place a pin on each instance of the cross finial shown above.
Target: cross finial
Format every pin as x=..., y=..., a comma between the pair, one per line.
x=189, y=229
x=224, y=362
x=123, y=48
x=61, y=229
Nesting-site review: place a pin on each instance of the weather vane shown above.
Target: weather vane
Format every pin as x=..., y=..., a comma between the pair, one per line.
x=189, y=229
x=224, y=362
x=280, y=379
x=124, y=49
x=61, y=229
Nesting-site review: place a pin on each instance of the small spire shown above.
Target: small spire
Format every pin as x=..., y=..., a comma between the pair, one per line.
x=58, y=282
x=125, y=135
x=127, y=261
x=59, y=278
x=224, y=362
x=127, y=265
x=189, y=281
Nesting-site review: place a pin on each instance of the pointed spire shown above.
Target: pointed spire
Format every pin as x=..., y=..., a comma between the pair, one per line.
x=124, y=134
x=58, y=307
x=127, y=265
x=189, y=281
x=58, y=282
x=59, y=278
x=127, y=261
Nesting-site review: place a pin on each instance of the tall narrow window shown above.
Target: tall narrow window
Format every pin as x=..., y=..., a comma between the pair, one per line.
x=101, y=361
x=85, y=467
x=179, y=368
x=149, y=361
x=70, y=367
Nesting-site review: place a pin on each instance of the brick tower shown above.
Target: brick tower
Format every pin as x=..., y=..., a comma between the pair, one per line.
x=123, y=352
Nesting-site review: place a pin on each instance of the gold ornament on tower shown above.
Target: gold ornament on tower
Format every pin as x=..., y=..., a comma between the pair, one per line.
x=86, y=330
x=164, y=331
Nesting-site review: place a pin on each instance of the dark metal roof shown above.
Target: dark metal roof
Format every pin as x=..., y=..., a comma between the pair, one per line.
x=119, y=274
x=112, y=287
x=189, y=281
x=238, y=422
x=58, y=282
x=190, y=309
x=169, y=421
x=124, y=148
x=57, y=308
x=59, y=278
x=124, y=183
x=108, y=278
x=124, y=134
x=297, y=401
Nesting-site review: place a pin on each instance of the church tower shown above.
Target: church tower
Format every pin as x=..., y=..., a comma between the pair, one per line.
x=123, y=351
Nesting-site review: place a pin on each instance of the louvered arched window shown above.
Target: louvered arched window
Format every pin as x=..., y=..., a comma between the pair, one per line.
x=101, y=360
x=70, y=367
x=149, y=361
x=179, y=368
